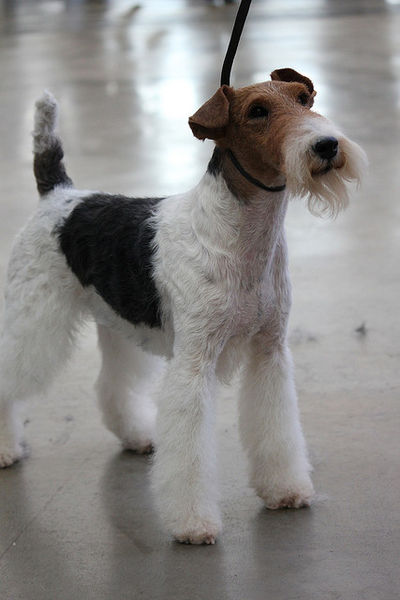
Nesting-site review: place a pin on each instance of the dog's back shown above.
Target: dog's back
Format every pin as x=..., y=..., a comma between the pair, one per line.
x=107, y=240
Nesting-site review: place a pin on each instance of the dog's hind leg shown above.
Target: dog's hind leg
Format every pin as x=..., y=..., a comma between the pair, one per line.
x=123, y=389
x=42, y=307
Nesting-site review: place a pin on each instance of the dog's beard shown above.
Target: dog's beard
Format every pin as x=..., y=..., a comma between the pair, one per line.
x=322, y=182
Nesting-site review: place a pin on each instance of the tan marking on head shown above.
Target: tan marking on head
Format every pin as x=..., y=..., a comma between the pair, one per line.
x=258, y=142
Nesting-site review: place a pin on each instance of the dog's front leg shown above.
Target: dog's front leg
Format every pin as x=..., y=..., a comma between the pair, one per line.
x=184, y=471
x=270, y=427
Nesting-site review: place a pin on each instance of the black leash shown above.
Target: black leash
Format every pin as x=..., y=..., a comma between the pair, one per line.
x=225, y=79
x=234, y=41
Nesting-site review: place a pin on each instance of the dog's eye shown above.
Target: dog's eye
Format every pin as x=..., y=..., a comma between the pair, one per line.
x=303, y=99
x=257, y=112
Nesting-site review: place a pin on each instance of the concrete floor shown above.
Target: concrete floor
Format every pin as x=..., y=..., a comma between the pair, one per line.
x=76, y=518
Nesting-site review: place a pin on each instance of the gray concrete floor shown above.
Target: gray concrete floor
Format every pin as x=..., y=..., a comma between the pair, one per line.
x=76, y=518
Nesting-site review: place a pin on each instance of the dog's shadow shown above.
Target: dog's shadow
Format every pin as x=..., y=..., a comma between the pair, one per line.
x=125, y=488
x=143, y=557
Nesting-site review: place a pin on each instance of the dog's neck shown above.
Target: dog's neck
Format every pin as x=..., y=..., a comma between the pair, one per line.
x=247, y=228
x=242, y=183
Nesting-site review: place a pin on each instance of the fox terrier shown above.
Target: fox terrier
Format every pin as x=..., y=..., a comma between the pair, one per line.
x=200, y=278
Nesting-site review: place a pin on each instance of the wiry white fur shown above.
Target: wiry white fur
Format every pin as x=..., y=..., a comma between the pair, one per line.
x=240, y=267
x=270, y=428
x=42, y=309
x=46, y=117
x=325, y=193
x=221, y=270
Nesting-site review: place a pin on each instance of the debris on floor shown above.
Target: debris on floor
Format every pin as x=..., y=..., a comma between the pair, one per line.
x=362, y=329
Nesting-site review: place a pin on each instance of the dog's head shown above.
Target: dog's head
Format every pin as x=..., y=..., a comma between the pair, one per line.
x=274, y=135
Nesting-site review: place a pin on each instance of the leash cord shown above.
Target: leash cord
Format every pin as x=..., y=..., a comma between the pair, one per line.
x=234, y=41
x=253, y=180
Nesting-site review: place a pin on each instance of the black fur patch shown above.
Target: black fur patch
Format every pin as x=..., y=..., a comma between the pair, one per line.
x=107, y=241
x=49, y=169
x=215, y=164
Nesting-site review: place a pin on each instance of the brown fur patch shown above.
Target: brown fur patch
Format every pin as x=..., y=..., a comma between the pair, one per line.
x=211, y=120
x=258, y=142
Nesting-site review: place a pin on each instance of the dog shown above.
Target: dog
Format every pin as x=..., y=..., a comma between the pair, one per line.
x=200, y=278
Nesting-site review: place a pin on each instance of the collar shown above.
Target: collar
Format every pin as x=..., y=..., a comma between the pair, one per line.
x=250, y=178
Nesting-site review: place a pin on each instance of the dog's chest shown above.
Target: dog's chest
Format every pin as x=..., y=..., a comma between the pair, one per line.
x=219, y=269
x=239, y=296
x=250, y=304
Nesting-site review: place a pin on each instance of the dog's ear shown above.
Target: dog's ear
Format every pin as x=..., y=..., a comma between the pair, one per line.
x=211, y=120
x=290, y=75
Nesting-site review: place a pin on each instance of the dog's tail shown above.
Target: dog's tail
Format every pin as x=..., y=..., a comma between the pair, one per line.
x=48, y=152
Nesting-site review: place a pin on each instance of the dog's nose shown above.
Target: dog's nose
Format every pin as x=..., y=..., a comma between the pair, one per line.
x=326, y=147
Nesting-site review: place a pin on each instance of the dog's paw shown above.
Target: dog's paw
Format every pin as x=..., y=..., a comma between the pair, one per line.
x=200, y=535
x=290, y=500
x=289, y=496
x=10, y=455
x=197, y=531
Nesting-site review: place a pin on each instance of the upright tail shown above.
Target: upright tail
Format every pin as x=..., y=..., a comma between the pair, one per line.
x=48, y=152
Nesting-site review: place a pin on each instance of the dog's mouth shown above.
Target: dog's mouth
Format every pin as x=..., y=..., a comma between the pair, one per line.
x=331, y=164
x=323, y=171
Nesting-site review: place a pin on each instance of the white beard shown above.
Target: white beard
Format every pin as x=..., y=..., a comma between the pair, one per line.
x=326, y=192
